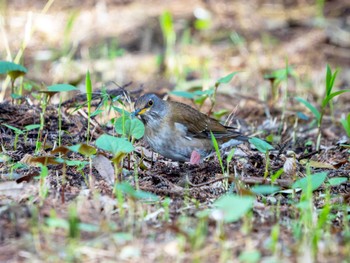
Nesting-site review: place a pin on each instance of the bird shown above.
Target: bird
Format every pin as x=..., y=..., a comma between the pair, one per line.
x=176, y=130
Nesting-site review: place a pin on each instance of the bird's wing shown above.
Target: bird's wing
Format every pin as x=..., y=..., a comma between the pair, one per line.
x=194, y=123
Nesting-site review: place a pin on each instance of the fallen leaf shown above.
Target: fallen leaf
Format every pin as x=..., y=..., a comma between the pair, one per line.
x=104, y=167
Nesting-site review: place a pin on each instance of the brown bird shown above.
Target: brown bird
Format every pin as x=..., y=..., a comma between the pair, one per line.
x=176, y=130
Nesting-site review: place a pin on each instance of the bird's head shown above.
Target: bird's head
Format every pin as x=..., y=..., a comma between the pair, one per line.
x=150, y=108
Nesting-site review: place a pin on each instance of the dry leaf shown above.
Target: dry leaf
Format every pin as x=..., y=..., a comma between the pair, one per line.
x=104, y=167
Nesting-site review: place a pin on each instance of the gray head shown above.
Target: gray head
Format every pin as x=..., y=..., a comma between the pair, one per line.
x=150, y=108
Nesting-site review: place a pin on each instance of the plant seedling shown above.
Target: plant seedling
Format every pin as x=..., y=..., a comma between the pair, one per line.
x=14, y=71
x=327, y=99
x=264, y=148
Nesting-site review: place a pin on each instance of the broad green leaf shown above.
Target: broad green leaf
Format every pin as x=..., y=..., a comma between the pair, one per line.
x=6, y=67
x=61, y=88
x=227, y=78
x=337, y=180
x=87, y=150
x=113, y=144
x=316, y=181
x=261, y=145
x=74, y=148
x=331, y=96
x=234, y=207
x=308, y=105
x=265, y=189
x=137, y=128
x=131, y=127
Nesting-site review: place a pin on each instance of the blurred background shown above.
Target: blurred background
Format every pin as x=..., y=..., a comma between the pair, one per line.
x=179, y=45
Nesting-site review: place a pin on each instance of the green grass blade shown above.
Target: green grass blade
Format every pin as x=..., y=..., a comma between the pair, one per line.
x=217, y=150
x=308, y=105
x=331, y=96
x=328, y=80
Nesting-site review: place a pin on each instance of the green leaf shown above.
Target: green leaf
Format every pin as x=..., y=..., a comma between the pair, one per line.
x=217, y=151
x=166, y=23
x=126, y=188
x=220, y=113
x=6, y=67
x=201, y=24
x=346, y=124
x=61, y=88
x=121, y=111
x=265, y=189
x=230, y=155
x=331, y=96
x=16, y=130
x=113, y=144
x=337, y=180
x=308, y=105
x=88, y=227
x=96, y=112
x=137, y=128
x=88, y=89
x=227, y=78
x=250, y=256
x=276, y=175
x=32, y=127
x=329, y=84
x=87, y=150
x=261, y=145
x=132, y=127
x=316, y=180
x=57, y=222
x=330, y=78
x=183, y=94
x=234, y=207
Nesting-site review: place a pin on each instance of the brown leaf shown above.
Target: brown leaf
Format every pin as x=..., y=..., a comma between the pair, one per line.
x=104, y=167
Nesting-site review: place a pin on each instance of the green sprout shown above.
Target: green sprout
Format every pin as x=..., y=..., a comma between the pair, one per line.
x=327, y=100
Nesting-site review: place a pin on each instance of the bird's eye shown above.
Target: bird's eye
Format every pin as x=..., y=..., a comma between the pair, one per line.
x=150, y=103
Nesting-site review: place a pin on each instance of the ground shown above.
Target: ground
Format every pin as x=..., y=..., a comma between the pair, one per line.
x=289, y=204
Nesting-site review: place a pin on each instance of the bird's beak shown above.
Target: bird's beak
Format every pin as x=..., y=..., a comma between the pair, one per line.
x=138, y=112
x=135, y=113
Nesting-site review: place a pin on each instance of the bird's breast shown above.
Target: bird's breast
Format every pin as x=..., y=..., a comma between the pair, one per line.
x=173, y=143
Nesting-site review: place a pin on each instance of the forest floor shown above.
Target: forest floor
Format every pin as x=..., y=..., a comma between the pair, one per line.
x=288, y=204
